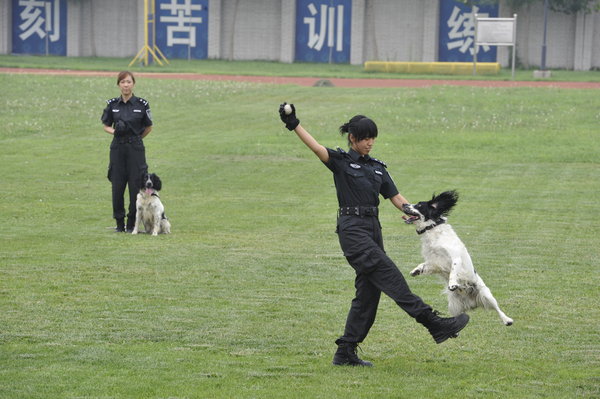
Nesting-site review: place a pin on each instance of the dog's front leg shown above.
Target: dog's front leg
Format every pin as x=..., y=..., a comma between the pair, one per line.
x=156, y=225
x=138, y=219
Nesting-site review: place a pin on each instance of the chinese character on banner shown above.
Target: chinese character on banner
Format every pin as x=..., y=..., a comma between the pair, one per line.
x=457, y=32
x=182, y=28
x=323, y=30
x=39, y=27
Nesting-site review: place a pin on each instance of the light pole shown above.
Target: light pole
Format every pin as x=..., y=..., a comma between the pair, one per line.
x=543, y=73
x=544, y=42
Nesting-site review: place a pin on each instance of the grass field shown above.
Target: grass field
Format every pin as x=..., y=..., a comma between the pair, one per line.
x=246, y=297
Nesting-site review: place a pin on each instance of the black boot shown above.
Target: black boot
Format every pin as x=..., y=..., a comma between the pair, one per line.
x=120, y=225
x=346, y=355
x=443, y=328
x=130, y=224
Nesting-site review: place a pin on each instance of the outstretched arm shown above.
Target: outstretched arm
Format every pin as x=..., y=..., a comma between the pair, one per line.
x=399, y=201
x=292, y=123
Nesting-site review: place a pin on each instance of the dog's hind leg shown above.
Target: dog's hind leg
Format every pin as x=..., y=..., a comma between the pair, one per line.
x=489, y=302
x=418, y=270
x=453, y=278
x=165, y=225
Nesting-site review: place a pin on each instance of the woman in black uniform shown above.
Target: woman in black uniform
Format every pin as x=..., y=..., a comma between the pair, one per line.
x=128, y=119
x=359, y=180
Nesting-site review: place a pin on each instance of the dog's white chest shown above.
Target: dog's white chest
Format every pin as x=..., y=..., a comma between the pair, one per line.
x=149, y=206
x=441, y=246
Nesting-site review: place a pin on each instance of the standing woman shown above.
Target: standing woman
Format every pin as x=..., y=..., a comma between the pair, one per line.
x=128, y=119
x=359, y=180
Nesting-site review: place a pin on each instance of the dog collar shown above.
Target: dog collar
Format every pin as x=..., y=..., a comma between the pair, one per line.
x=431, y=226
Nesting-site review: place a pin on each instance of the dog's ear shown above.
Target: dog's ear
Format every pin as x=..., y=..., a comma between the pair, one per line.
x=444, y=202
x=433, y=201
x=156, y=182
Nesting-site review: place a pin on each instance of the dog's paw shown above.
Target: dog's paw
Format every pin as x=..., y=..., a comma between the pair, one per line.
x=417, y=270
x=453, y=287
x=134, y=231
x=508, y=321
x=154, y=233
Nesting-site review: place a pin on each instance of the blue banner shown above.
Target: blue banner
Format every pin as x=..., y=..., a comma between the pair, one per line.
x=39, y=27
x=457, y=32
x=182, y=28
x=323, y=30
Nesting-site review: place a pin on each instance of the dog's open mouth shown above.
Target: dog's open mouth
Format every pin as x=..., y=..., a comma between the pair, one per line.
x=410, y=219
x=149, y=191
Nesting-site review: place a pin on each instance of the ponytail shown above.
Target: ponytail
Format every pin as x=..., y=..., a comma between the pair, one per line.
x=360, y=127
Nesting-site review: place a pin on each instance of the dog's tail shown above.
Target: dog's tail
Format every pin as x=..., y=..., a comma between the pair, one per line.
x=460, y=301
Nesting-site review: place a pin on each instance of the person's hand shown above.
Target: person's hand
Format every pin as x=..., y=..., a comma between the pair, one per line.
x=120, y=128
x=291, y=121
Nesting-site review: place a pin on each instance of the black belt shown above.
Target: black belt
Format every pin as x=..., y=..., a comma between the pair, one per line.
x=128, y=139
x=358, y=211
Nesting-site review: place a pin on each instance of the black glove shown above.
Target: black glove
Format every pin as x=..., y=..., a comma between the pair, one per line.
x=120, y=128
x=290, y=120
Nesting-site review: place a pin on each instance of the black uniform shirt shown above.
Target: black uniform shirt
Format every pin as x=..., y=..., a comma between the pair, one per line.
x=135, y=113
x=359, y=179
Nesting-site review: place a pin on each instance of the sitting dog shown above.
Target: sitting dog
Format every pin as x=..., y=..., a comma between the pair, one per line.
x=150, y=210
x=446, y=255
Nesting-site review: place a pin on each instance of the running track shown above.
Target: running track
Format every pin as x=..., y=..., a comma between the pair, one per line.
x=307, y=81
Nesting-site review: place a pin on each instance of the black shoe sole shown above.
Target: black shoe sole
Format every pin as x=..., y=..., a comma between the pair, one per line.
x=454, y=333
x=363, y=364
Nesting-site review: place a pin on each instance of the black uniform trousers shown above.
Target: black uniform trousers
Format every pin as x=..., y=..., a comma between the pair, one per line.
x=127, y=163
x=362, y=242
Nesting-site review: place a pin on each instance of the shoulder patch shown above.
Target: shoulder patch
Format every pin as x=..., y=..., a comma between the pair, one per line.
x=112, y=100
x=143, y=101
x=380, y=162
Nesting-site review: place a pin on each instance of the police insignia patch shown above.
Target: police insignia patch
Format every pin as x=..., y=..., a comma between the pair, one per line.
x=149, y=114
x=355, y=166
x=380, y=162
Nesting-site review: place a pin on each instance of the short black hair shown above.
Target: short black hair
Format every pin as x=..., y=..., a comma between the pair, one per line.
x=360, y=127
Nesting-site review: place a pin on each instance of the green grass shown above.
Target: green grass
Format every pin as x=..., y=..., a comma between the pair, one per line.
x=265, y=68
x=247, y=295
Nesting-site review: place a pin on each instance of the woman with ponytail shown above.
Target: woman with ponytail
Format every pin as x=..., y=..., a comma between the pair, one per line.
x=359, y=181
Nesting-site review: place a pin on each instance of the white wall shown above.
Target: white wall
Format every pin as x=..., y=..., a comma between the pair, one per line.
x=106, y=28
x=595, y=41
x=251, y=30
x=5, y=27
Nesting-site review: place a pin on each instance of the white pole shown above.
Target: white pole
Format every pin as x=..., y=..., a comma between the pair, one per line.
x=475, y=47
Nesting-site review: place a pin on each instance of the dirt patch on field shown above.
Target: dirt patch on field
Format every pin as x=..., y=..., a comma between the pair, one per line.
x=314, y=81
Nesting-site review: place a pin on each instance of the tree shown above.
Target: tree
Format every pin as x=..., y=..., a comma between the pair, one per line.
x=564, y=6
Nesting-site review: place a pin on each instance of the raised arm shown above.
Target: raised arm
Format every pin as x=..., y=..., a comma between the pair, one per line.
x=319, y=150
x=292, y=123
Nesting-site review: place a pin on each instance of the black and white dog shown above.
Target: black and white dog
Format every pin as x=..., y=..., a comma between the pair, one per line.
x=446, y=255
x=150, y=210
